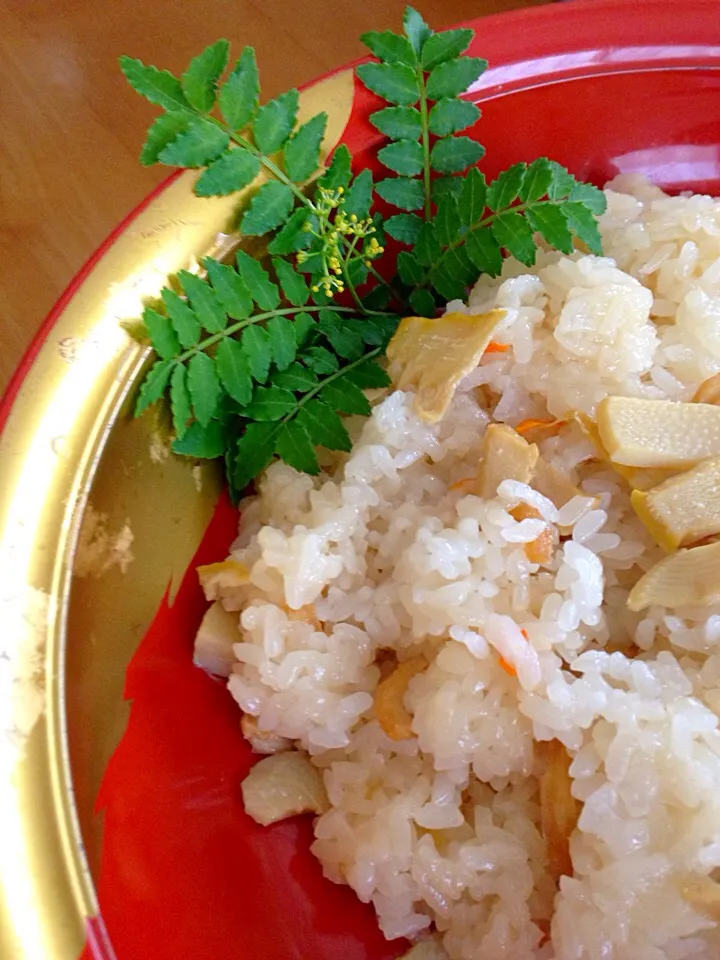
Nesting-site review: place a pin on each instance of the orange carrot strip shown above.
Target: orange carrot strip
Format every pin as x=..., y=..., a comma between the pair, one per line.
x=507, y=667
x=467, y=483
x=495, y=347
x=533, y=429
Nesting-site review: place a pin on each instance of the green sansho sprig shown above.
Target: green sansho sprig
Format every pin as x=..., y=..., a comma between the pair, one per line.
x=254, y=356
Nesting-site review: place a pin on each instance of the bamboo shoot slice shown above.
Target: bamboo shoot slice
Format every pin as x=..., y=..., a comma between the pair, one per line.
x=553, y=484
x=216, y=636
x=685, y=578
x=685, y=508
x=505, y=456
x=431, y=356
x=658, y=433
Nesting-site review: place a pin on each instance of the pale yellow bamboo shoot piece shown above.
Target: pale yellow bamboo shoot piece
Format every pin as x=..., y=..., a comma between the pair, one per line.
x=505, y=456
x=431, y=356
x=658, y=433
x=683, y=509
x=685, y=578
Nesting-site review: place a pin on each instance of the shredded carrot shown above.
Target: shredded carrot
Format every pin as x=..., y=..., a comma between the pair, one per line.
x=507, y=667
x=495, y=347
x=541, y=549
x=533, y=429
x=467, y=483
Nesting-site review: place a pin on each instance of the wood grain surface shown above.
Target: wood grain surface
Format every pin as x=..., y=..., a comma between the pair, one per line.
x=71, y=128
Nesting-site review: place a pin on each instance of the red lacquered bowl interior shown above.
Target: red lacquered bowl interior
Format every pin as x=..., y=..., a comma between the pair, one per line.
x=603, y=86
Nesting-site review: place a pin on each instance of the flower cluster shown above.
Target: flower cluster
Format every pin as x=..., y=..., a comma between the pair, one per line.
x=337, y=236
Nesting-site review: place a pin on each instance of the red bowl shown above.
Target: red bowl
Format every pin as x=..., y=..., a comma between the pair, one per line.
x=603, y=87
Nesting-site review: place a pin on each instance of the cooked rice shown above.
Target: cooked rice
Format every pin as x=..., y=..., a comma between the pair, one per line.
x=441, y=831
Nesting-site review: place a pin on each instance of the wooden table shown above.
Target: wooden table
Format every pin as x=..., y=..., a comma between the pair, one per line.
x=71, y=129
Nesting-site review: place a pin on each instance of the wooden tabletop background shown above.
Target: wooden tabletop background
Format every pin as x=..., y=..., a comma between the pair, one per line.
x=71, y=129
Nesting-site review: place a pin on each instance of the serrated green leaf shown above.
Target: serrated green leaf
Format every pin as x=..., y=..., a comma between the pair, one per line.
x=157, y=86
x=394, y=82
x=423, y=303
x=506, y=187
x=402, y=192
x=403, y=156
x=427, y=247
x=459, y=265
x=513, y=232
x=389, y=47
x=233, y=369
x=296, y=378
x=368, y=376
x=320, y=360
x=447, y=223
x=201, y=442
x=302, y=151
x=453, y=154
x=454, y=77
x=583, y=224
x=153, y=386
x=255, y=449
x=484, y=251
x=270, y=403
x=589, y=196
x=359, y=195
x=163, y=131
x=263, y=291
x=398, y=123
x=282, y=341
x=343, y=395
x=293, y=285
x=199, y=82
x=357, y=273
x=551, y=223
x=345, y=340
x=377, y=331
x=447, y=285
x=404, y=227
x=339, y=171
x=183, y=319
x=256, y=347
x=473, y=199
x=294, y=446
x=293, y=236
x=230, y=289
x=204, y=387
x=240, y=93
x=378, y=298
x=562, y=181
x=445, y=46
x=450, y=115
x=180, y=406
x=274, y=122
x=324, y=426
x=442, y=187
x=536, y=181
x=204, y=302
x=161, y=333
x=201, y=143
x=304, y=326
x=270, y=207
x=416, y=30
x=409, y=268
x=232, y=171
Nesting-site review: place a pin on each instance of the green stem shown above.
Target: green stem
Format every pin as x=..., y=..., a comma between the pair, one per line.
x=425, y=139
x=346, y=274
x=284, y=312
x=333, y=376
